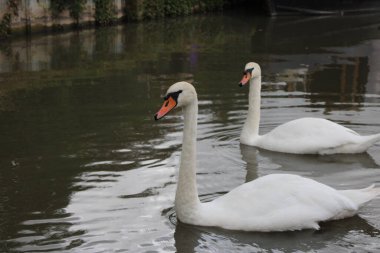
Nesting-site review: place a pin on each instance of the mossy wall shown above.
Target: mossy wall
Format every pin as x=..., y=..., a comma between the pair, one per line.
x=25, y=16
x=154, y=9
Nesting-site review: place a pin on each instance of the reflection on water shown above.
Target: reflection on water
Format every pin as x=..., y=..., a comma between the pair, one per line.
x=257, y=161
x=83, y=167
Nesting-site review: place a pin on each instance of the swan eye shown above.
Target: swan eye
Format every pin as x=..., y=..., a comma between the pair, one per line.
x=175, y=95
x=249, y=71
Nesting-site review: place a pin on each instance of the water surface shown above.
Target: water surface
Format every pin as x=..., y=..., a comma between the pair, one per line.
x=84, y=168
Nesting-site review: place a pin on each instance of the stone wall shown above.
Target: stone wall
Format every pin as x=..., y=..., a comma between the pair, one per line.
x=18, y=16
x=36, y=15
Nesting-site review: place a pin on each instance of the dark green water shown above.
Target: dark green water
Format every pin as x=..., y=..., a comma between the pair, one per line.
x=84, y=168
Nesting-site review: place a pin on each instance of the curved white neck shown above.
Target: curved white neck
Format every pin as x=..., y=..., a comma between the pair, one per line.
x=251, y=125
x=186, y=200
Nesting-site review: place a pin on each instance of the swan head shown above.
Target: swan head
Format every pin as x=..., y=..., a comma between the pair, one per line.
x=251, y=70
x=178, y=95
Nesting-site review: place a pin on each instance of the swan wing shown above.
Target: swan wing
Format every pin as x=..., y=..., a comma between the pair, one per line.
x=308, y=136
x=278, y=202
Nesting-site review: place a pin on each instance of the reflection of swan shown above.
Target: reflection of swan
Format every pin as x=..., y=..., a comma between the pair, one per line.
x=275, y=202
x=250, y=156
x=313, y=165
x=300, y=136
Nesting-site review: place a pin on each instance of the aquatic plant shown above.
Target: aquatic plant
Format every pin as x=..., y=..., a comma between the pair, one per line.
x=154, y=9
x=13, y=6
x=75, y=8
x=104, y=12
x=5, y=23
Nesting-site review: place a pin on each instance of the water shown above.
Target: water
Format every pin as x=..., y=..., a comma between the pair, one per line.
x=84, y=168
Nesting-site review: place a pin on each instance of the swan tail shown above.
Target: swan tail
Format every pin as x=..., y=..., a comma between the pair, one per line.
x=362, y=196
x=367, y=142
x=372, y=139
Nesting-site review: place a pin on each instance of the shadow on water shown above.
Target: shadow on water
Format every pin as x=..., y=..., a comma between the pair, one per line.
x=190, y=238
x=338, y=64
x=280, y=34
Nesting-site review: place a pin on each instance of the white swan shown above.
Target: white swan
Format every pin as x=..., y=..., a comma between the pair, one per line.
x=274, y=202
x=300, y=136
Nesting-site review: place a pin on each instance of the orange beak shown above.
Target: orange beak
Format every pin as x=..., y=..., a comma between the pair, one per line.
x=245, y=79
x=168, y=105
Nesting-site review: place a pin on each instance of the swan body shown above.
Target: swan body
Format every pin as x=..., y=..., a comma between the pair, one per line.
x=280, y=202
x=300, y=136
x=276, y=202
x=313, y=136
